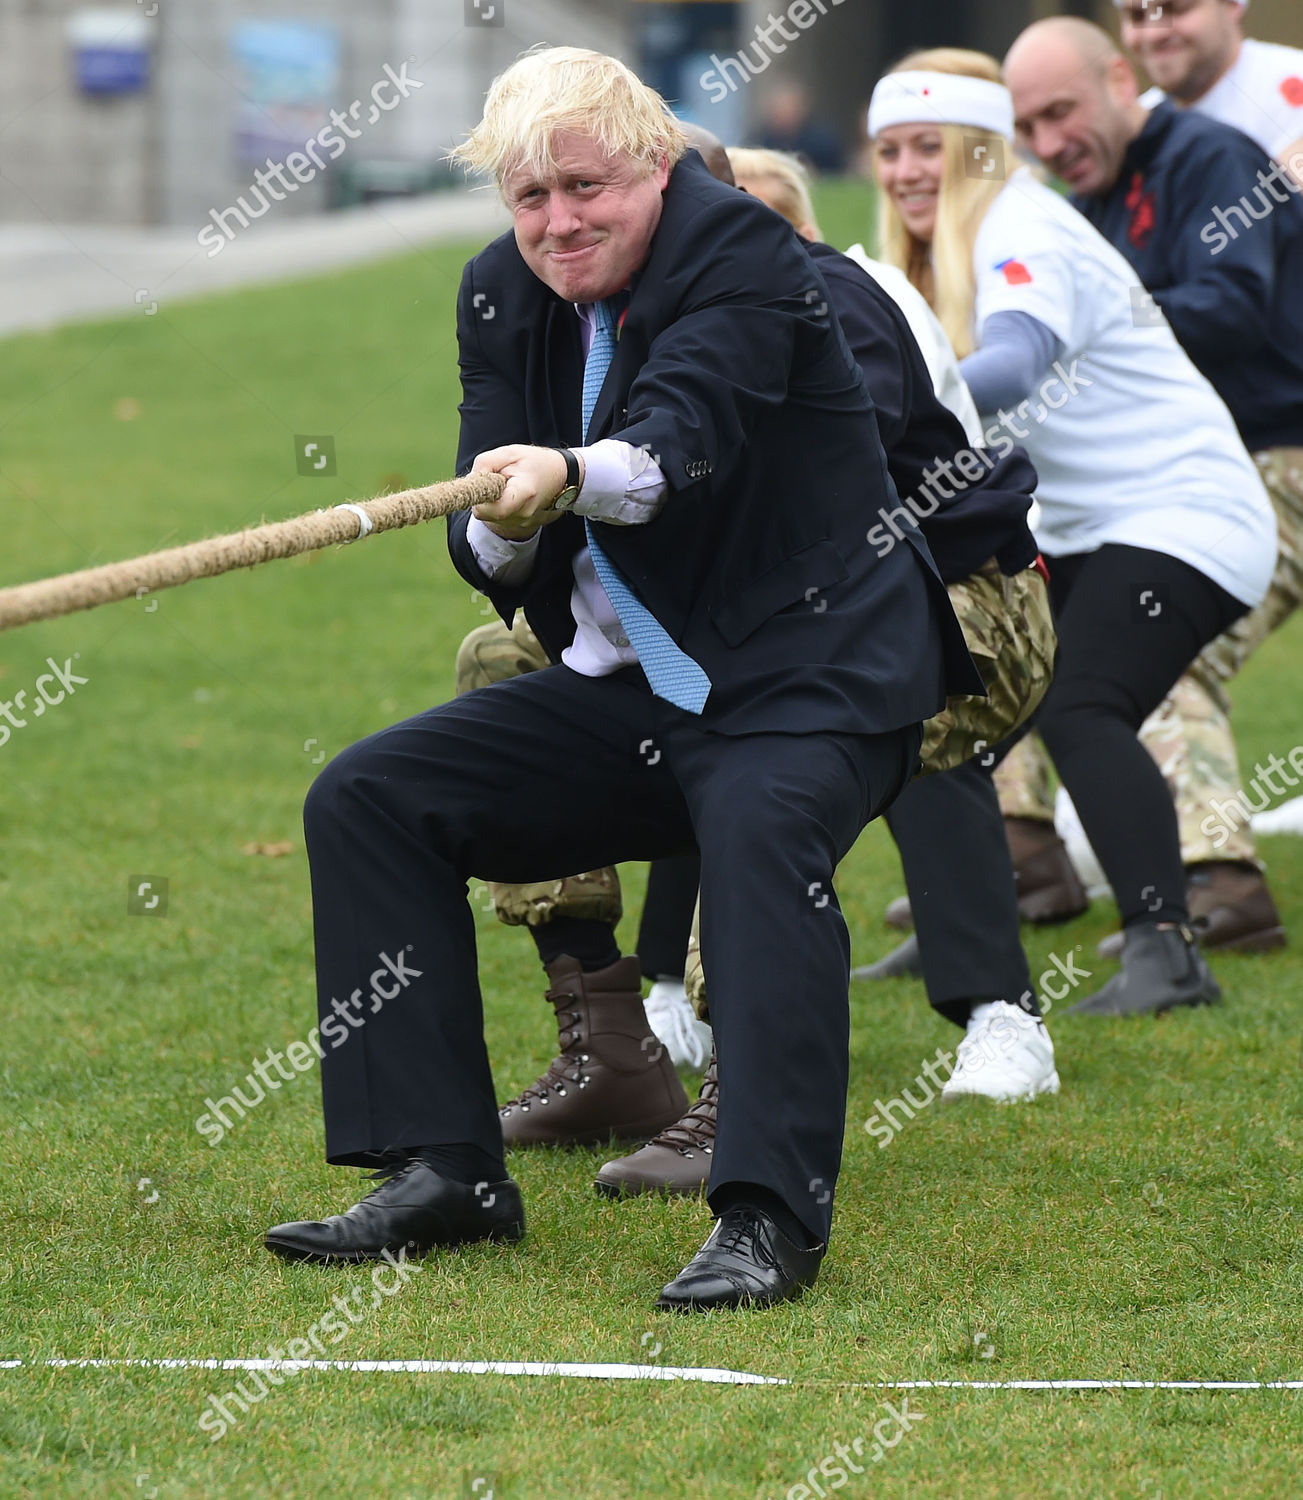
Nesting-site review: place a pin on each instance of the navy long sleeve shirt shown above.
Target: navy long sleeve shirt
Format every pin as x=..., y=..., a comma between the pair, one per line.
x=1216, y=236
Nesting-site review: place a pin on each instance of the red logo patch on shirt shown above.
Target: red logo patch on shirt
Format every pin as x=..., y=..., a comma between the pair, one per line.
x=1292, y=88
x=1141, y=205
x=1015, y=273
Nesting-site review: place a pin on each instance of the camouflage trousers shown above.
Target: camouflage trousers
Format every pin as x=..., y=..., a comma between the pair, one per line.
x=1009, y=629
x=493, y=654
x=1189, y=733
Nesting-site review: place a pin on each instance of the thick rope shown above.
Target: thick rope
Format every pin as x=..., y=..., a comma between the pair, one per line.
x=52, y=597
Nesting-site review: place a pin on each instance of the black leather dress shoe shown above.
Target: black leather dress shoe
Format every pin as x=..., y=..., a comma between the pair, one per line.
x=746, y=1262
x=414, y=1207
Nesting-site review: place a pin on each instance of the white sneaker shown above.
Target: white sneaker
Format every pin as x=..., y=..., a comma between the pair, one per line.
x=671, y=1016
x=1006, y=1055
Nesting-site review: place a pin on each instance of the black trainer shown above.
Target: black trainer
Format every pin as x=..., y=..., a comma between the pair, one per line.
x=901, y=963
x=1161, y=969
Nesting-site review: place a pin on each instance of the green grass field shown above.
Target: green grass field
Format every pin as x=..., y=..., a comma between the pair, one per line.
x=1144, y=1225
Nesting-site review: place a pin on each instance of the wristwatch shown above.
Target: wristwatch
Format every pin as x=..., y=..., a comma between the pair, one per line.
x=570, y=493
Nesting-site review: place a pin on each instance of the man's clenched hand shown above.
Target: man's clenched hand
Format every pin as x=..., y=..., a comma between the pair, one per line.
x=535, y=477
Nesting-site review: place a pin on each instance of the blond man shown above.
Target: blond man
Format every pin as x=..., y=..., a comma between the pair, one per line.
x=688, y=452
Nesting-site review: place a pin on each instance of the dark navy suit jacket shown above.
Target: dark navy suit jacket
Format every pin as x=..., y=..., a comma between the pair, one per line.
x=732, y=371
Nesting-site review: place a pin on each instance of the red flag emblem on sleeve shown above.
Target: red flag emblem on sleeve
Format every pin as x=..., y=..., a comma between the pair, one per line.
x=1015, y=273
x=1292, y=88
x=1143, y=213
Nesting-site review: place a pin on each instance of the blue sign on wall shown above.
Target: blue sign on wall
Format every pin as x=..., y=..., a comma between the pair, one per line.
x=288, y=73
x=110, y=50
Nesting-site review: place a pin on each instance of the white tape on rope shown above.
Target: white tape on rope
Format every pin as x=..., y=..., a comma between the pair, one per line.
x=365, y=526
x=637, y=1372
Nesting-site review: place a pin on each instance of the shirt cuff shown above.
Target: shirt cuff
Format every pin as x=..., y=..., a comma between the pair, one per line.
x=500, y=559
x=623, y=485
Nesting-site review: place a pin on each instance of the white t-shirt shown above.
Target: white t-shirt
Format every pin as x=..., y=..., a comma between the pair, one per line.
x=1262, y=95
x=950, y=386
x=1132, y=444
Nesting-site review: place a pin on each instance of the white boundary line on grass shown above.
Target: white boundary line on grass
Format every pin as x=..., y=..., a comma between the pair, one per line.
x=637, y=1372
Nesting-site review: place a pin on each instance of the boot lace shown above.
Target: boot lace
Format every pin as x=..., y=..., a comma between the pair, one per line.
x=695, y=1131
x=566, y=1068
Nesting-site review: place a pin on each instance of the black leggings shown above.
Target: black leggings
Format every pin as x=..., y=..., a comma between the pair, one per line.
x=1130, y=621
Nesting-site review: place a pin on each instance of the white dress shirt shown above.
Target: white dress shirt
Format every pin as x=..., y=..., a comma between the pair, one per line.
x=623, y=486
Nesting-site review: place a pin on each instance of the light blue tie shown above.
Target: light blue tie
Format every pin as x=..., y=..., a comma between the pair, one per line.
x=672, y=673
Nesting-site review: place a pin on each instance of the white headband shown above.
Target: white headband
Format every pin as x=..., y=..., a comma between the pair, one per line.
x=940, y=99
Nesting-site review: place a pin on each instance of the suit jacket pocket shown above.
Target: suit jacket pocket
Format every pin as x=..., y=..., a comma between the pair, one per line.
x=800, y=578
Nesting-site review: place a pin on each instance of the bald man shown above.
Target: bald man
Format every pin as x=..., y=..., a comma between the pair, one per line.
x=1159, y=183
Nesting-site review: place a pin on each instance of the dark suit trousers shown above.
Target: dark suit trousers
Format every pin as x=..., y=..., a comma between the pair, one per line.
x=666, y=925
x=553, y=772
x=960, y=878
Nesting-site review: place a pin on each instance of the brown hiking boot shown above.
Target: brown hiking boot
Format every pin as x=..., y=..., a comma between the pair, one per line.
x=611, y=1077
x=1230, y=909
x=678, y=1160
x=1049, y=888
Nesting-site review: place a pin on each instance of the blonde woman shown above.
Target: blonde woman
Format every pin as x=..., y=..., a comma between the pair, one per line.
x=1155, y=524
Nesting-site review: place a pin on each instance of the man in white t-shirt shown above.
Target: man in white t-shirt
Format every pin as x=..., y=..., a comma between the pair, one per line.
x=1196, y=52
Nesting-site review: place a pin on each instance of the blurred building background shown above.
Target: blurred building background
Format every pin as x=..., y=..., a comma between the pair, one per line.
x=159, y=112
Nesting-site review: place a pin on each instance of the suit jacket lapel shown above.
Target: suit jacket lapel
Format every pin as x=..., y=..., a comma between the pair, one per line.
x=565, y=371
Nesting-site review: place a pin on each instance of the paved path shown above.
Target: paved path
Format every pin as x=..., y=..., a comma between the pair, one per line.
x=51, y=274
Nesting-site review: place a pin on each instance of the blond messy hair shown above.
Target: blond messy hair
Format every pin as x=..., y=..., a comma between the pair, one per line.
x=548, y=91
x=786, y=181
x=943, y=272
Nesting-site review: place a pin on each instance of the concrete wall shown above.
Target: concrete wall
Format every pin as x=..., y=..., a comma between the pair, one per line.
x=64, y=156
x=167, y=155
x=197, y=98
x=460, y=62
